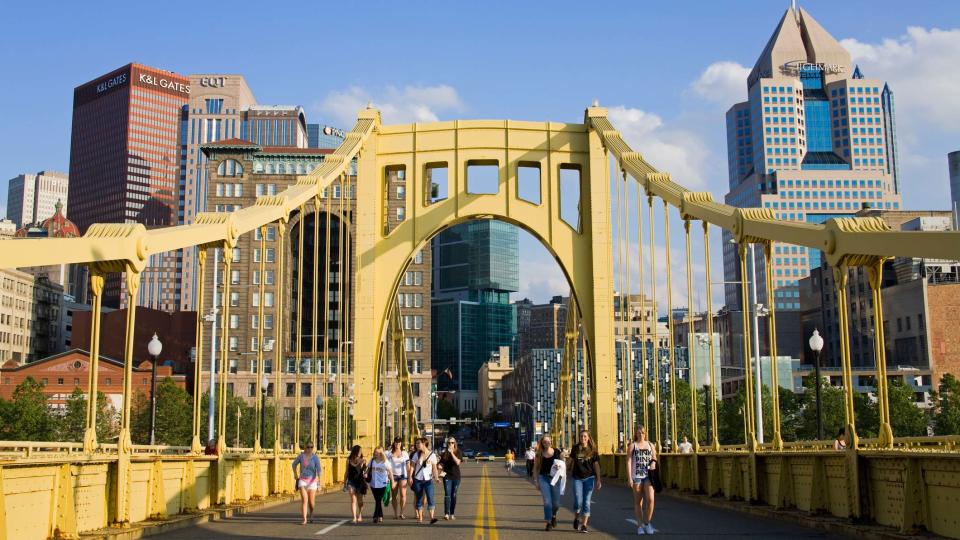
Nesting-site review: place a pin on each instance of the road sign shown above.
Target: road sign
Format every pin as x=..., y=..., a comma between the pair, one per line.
x=501, y=424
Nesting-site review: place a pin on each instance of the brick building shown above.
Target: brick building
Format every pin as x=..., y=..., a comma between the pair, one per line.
x=62, y=373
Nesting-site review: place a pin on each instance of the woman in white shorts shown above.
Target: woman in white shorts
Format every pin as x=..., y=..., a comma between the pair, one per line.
x=642, y=459
x=399, y=458
x=308, y=479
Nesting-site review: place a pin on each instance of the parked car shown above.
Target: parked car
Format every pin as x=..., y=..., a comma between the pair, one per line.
x=484, y=456
x=470, y=453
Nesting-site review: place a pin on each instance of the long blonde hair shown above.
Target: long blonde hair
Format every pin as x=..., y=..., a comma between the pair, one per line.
x=379, y=455
x=637, y=431
x=591, y=448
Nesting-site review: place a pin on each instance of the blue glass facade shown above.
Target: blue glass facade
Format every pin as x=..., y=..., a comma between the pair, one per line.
x=476, y=267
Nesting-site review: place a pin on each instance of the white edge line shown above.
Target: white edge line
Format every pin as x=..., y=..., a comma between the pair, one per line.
x=329, y=528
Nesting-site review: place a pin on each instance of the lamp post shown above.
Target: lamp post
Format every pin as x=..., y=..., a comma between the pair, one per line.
x=154, y=348
x=264, y=383
x=707, y=401
x=816, y=345
x=517, y=404
x=341, y=345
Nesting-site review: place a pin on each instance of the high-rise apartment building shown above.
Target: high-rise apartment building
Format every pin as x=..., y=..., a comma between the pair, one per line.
x=476, y=267
x=953, y=164
x=320, y=136
x=32, y=198
x=215, y=112
x=814, y=140
x=125, y=164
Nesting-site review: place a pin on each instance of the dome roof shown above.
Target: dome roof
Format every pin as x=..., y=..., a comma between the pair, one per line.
x=56, y=226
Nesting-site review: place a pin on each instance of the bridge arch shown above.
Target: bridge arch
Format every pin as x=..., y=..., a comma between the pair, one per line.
x=581, y=246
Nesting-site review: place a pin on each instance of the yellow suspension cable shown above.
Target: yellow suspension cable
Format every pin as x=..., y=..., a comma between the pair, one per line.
x=772, y=336
x=261, y=323
x=279, y=349
x=629, y=393
x=195, y=445
x=670, y=341
x=314, y=365
x=714, y=379
x=298, y=332
x=326, y=318
x=643, y=320
x=96, y=286
x=748, y=413
x=691, y=345
x=340, y=311
x=224, y=349
x=656, y=341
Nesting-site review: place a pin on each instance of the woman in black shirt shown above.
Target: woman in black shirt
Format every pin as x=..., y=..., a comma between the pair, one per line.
x=585, y=466
x=450, y=463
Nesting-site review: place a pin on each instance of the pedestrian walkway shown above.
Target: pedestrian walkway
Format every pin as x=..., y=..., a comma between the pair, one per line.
x=495, y=505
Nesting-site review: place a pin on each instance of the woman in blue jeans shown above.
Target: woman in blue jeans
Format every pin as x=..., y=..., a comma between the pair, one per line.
x=585, y=465
x=422, y=469
x=543, y=464
x=450, y=464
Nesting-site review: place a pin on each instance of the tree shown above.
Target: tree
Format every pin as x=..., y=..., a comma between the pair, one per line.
x=140, y=419
x=27, y=417
x=174, y=425
x=730, y=419
x=906, y=419
x=73, y=423
x=831, y=410
x=790, y=414
x=947, y=406
x=867, y=414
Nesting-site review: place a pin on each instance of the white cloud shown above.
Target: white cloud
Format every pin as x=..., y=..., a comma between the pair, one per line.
x=397, y=105
x=921, y=69
x=671, y=149
x=722, y=82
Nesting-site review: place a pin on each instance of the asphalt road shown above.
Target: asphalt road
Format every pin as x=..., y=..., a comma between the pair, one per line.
x=493, y=504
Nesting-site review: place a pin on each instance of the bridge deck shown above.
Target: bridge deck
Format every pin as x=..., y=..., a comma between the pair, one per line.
x=516, y=513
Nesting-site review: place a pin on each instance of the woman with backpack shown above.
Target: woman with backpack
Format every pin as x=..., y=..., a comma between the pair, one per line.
x=355, y=483
x=308, y=479
x=422, y=471
x=380, y=477
x=640, y=467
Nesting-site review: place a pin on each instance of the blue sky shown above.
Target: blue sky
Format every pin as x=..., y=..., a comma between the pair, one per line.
x=667, y=69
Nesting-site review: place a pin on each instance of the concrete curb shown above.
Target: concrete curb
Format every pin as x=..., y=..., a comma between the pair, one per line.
x=149, y=528
x=821, y=522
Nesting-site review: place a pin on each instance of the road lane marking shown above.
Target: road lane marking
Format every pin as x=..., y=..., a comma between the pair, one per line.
x=491, y=514
x=481, y=507
x=329, y=528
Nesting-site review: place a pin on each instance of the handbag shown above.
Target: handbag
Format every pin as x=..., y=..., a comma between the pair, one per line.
x=386, y=495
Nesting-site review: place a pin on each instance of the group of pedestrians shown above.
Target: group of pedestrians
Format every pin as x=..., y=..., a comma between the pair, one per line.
x=388, y=474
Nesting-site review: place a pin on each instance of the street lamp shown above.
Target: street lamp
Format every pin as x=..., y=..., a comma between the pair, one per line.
x=264, y=383
x=517, y=404
x=154, y=348
x=816, y=345
x=321, y=436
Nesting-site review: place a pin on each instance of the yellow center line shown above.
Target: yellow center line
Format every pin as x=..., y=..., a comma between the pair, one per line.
x=491, y=515
x=481, y=507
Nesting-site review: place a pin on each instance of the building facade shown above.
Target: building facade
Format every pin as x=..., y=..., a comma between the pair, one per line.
x=815, y=140
x=125, y=165
x=321, y=136
x=214, y=112
x=30, y=316
x=490, y=382
x=63, y=373
x=953, y=167
x=32, y=198
x=533, y=383
x=476, y=267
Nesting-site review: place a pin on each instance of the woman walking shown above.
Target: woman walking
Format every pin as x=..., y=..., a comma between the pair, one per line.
x=381, y=477
x=399, y=458
x=450, y=463
x=585, y=465
x=308, y=479
x=354, y=482
x=543, y=465
x=422, y=471
x=643, y=459
x=509, y=460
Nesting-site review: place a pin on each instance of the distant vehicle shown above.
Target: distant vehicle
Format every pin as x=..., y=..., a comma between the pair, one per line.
x=484, y=456
x=470, y=453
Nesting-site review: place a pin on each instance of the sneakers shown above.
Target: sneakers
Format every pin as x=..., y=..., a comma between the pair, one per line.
x=549, y=526
x=649, y=528
x=453, y=517
x=446, y=517
x=576, y=523
x=583, y=528
x=641, y=530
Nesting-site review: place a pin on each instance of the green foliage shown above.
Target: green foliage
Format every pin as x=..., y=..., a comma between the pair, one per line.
x=947, y=406
x=730, y=419
x=447, y=409
x=27, y=417
x=867, y=415
x=72, y=424
x=831, y=409
x=906, y=419
x=174, y=425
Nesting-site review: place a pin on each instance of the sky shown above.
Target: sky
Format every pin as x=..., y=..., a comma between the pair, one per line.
x=667, y=70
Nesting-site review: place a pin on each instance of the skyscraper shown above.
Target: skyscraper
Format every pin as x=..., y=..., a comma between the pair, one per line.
x=476, y=267
x=815, y=140
x=32, y=198
x=124, y=165
x=953, y=163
